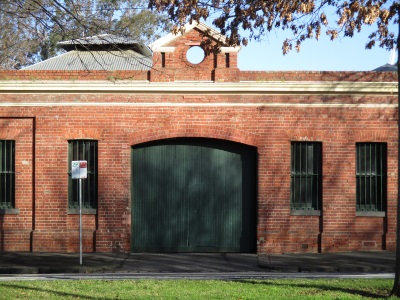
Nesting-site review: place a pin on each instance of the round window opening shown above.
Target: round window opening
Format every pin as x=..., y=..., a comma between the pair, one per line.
x=195, y=55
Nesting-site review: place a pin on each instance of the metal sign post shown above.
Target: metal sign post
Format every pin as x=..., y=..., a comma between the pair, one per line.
x=79, y=171
x=80, y=221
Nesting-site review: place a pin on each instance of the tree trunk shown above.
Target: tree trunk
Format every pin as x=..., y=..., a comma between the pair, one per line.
x=396, y=284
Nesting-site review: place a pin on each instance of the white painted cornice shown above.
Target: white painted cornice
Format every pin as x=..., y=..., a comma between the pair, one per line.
x=191, y=104
x=195, y=87
x=235, y=49
x=165, y=49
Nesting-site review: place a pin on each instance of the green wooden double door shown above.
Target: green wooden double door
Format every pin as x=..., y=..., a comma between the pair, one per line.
x=193, y=195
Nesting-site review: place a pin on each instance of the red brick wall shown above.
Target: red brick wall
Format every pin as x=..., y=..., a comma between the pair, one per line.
x=15, y=229
x=269, y=129
x=339, y=228
x=42, y=134
x=159, y=74
x=348, y=76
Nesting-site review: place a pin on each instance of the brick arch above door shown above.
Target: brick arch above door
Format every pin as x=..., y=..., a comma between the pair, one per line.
x=215, y=132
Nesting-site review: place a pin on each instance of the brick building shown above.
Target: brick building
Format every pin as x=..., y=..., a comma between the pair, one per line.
x=198, y=157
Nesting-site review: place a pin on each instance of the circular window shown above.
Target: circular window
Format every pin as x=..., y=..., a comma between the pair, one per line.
x=195, y=55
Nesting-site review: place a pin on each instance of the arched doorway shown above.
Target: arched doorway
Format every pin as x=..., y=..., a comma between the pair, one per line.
x=193, y=195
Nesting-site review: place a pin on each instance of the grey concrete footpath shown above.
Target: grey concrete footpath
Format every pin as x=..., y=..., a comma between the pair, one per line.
x=52, y=263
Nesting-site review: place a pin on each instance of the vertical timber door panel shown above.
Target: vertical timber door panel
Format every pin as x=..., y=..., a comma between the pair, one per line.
x=215, y=200
x=159, y=220
x=193, y=195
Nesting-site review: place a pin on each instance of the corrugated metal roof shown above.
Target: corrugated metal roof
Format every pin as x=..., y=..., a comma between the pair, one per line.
x=105, y=42
x=386, y=68
x=96, y=60
x=103, y=39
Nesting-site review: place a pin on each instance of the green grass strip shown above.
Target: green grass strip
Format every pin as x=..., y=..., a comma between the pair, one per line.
x=197, y=289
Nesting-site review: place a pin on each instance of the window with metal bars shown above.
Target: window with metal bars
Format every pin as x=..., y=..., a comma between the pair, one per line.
x=306, y=176
x=371, y=176
x=83, y=150
x=7, y=174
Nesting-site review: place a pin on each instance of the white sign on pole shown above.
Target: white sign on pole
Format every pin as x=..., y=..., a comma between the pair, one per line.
x=79, y=169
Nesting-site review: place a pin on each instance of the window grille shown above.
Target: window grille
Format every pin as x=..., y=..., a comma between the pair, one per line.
x=83, y=150
x=306, y=176
x=371, y=176
x=7, y=174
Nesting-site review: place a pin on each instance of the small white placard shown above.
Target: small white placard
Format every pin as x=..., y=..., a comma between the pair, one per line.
x=79, y=169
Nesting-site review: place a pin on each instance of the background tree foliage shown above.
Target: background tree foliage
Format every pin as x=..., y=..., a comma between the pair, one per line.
x=30, y=29
x=244, y=20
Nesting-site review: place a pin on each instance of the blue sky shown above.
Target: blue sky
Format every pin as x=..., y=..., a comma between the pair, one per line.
x=346, y=54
